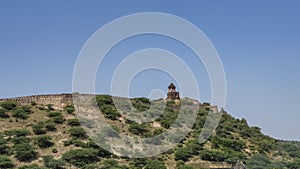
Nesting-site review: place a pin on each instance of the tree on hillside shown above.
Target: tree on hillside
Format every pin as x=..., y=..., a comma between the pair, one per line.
x=3, y=113
x=4, y=149
x=56, y=117
x=154, y=164
x=110, y=164
x=70, y=109
x=77, y=132
x=17, y=132
x=138, y=129
x=20, y=140
x=32, y=166
x=8, y=105
x=81, y=157
x=20, y=113
x=25, y=152
x=43, y=141
x=39, y=128
x=52, y=163
x=73, y=122
x=183, y=153
x=258, y=161
x=5, y=162
x=50, y=126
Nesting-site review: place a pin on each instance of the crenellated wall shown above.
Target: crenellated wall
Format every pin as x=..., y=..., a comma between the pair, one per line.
x=60, y=100
x=57, y=100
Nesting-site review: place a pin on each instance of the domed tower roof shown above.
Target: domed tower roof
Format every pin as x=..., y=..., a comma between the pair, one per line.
x=171, y=86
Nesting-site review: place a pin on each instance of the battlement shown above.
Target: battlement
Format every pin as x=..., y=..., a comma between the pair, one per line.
x=57, y=100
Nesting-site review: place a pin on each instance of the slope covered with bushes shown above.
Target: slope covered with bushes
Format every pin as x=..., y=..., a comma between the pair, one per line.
x=41, y=137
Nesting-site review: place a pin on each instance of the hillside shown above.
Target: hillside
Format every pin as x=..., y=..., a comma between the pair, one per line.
x=48, y=134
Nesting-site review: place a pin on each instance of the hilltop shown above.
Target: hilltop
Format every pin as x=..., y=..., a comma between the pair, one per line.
x=44, y=132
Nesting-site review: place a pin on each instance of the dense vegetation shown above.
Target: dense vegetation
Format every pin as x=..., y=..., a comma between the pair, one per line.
x=41, y=137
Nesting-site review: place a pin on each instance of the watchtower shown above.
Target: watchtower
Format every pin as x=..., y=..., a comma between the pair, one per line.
x=172, y=93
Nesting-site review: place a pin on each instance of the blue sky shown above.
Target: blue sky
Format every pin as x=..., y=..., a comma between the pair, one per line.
x=258, y=43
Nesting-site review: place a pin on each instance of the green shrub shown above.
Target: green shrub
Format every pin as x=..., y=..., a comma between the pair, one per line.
x=107, y=107
x=20, y=140
x=5, y=162
x=50, y=126
x=54, y=114
x=81, y=157
x=17, y=132
x=193, y=146
x=168, y=117
x=8, y=105
x=42, y=108
x=143, y=100
x=91, y=166
x=138, y=163
x=138, y=129
x=68, y=142
x=183, y=154
x=43, y=141
x=32, y=166
x=213, y=155
x=39, y=128
x=234, y=156
x=78, y=143
x=155, y=164
x=128, y=121
x=73, y=122
x=70, y=109
x=25, y=152
x=27, y=109
x=54, y=150
x=226, y=143
x=50, y=162
x=3, y=113
x=77, y=132
x=110, y=163
x=19, y=113
x=101, y=152
x=181, y=165
x=170, y=103
x=4, y=149
x=104, y=99
x=141, y=104
x=109, y=112
x=185, y=167
x=294, y=165
x=259, y=161
x=265, y=146
x=166, y=123
x=57, y=119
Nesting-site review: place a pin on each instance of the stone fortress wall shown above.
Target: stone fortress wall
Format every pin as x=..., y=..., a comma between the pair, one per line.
x=57, y=100
x=60, y=100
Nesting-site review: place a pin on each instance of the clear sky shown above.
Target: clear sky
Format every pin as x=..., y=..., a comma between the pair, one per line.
x=258, y=43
